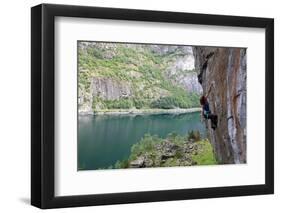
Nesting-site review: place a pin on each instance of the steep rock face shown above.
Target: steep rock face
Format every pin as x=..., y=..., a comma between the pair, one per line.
x=104, y=88
x=168, y=49
x=225, y=69
x=181, y=69
x=110, y=89
x=181, y=72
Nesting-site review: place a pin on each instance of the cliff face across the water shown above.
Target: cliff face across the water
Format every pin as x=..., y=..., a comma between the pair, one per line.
x=225, y=69
x=135, y=76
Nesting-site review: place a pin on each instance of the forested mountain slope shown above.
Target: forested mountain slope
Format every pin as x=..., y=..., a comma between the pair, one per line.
x=135, y=76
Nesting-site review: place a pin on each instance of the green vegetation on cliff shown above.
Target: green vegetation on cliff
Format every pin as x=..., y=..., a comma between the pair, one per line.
x=175, y=150
x=142, y=73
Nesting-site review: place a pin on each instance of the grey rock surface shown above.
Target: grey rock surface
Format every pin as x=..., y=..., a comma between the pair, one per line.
x=225, y=69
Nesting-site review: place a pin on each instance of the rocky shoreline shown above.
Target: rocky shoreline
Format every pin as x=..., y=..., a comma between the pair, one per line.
x=175, y=150
x=165, y=154
x=140, y=111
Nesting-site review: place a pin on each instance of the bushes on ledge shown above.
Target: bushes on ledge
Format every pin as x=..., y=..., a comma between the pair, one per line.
x=174, y=150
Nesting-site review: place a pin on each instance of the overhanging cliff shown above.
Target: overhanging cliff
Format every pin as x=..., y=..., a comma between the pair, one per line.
x=225, y=68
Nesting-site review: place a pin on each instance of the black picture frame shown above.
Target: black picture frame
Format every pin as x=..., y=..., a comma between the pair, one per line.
x=43, y=102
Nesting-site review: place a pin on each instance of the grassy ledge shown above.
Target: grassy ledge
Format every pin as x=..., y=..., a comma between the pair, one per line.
x=175, y=150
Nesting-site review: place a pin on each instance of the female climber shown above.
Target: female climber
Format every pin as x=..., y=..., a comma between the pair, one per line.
x=206, y=112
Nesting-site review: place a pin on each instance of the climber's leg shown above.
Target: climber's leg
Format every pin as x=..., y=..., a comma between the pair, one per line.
x=213, y=118
x=214, y=121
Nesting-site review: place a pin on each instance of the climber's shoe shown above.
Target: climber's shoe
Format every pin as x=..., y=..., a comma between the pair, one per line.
x=214, y=122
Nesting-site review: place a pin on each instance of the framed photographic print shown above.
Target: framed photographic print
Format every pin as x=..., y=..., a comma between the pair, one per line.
x=140, y=106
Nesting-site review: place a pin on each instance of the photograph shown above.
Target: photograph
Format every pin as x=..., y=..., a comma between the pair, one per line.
x=146, y=105
x=132, y=105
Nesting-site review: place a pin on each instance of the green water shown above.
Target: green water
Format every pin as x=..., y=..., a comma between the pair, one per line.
x=104, y=139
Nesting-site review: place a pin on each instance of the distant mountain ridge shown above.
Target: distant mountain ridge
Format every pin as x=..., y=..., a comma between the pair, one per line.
x=125, y=76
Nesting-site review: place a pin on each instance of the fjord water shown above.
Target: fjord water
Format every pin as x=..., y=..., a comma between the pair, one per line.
x=105, y=139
